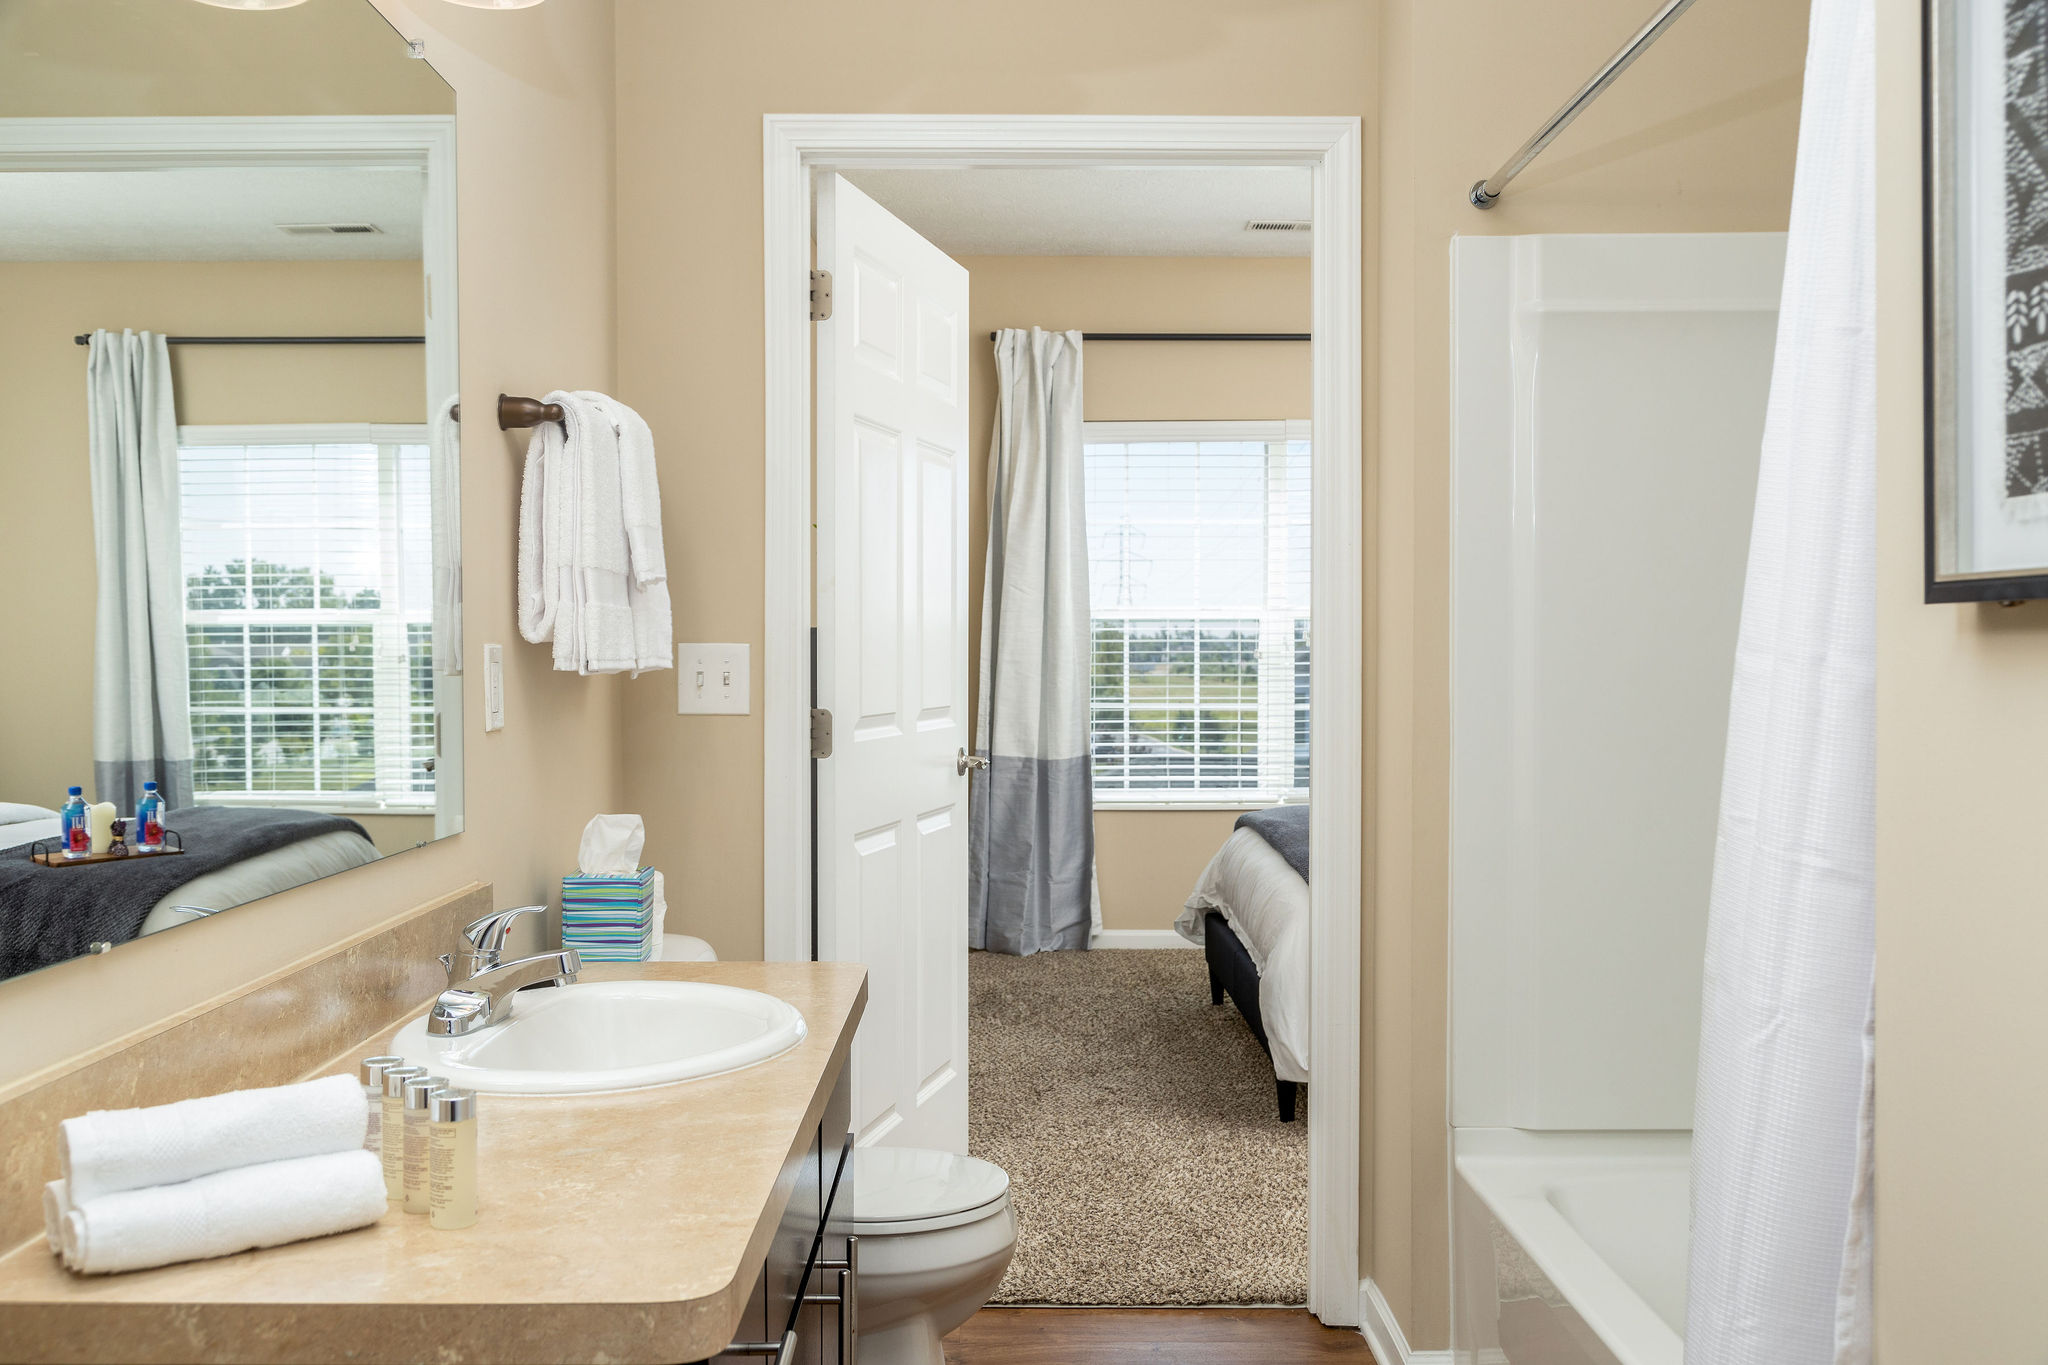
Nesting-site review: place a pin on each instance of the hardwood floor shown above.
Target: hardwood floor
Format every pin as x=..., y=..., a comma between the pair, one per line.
x=1151, y=1336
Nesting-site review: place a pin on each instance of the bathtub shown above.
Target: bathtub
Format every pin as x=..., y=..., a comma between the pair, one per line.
x=1570, y=1248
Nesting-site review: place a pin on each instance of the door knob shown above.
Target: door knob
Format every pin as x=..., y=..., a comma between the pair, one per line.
x=970, y=761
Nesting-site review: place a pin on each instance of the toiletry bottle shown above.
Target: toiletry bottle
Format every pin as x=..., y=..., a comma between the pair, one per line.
x=451, y=1142
x=418, y=1091
x=371, y=1072
x=393, y=1123
x=149, y=821
x=77, y=824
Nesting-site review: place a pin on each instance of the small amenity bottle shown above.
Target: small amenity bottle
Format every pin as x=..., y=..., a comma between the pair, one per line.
x=149, y=821
x=418, y=1091
x=371, y=1073
x=393, y=1122
x=77, y=817
x=451, y=1144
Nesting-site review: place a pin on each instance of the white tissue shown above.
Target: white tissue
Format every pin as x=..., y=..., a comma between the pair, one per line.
x=226, y=1212
x=611, y=846
x=126, y=1149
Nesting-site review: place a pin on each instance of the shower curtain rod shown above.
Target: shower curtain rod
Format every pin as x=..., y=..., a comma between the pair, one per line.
x=86, y=340
x=1485, y=192
x=1188, y=336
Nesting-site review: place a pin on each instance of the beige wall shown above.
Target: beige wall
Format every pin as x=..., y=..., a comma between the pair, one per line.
x=46, y=725
x=1698, y=136
x=536, y=91
x=108, y=58
x=1147, y=860
x=1962, y=749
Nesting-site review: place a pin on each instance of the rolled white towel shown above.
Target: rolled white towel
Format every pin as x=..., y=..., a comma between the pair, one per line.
x=56, y=1203
x=226, y=1212
x=128, y=1149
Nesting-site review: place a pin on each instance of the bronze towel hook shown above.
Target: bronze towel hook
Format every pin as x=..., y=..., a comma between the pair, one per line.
x=515, y=412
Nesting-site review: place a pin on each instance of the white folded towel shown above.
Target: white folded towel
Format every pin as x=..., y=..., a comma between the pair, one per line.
x=55, y=1205
x=226, y=1212
x=127, y=1149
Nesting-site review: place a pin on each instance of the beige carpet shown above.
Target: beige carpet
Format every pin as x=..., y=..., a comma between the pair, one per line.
x=1147, y=1161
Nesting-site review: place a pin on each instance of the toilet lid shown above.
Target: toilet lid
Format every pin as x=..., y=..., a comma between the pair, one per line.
x=908, y=1184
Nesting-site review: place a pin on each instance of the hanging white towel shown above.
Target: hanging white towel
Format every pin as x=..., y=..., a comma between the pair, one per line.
x=592, y=575
x=124, y=1149
x=227, y=1212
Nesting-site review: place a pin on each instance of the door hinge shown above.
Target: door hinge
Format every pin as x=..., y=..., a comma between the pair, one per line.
x=821, y=732
x=821, y=295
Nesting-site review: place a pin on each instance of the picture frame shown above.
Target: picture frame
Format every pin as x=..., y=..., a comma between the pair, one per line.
x=1985, y=205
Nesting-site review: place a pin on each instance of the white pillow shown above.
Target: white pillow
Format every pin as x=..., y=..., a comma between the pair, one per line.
x=13, y=813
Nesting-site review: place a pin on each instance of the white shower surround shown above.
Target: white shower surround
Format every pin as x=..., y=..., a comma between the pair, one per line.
x=1608, y=408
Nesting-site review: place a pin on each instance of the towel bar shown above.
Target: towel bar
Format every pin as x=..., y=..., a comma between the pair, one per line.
x=514, y=412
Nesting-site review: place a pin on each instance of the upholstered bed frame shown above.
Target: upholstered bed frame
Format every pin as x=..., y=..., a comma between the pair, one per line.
x=1231, y=971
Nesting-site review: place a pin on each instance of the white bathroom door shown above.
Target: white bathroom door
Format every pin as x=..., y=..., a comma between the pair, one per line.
x=892, y=661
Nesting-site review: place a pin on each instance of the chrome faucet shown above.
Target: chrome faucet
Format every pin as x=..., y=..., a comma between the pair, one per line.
x=481, y=984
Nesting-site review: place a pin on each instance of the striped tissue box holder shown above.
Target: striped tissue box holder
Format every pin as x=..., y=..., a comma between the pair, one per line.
x=610, y=919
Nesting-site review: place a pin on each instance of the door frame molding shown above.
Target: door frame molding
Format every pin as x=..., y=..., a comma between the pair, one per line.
x=1330, y=149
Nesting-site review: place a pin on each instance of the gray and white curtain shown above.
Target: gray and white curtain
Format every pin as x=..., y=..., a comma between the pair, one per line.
x=141, y=728
x=1032, y=832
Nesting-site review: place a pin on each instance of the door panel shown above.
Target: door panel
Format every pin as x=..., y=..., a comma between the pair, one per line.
x=892, y=661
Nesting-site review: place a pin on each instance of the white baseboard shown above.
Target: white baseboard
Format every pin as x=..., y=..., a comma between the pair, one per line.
x=1139, y=938
x=1382, y=1331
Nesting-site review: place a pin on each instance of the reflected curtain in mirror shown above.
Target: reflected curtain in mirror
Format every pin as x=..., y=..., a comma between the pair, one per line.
x=140, y=720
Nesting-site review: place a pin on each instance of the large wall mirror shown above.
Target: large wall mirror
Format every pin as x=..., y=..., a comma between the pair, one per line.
x=228, y=469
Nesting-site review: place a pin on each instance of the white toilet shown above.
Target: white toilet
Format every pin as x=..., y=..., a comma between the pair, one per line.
x=936, y=1234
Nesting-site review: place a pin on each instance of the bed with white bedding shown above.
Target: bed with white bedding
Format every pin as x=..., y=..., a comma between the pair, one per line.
x=1263, y=901
x=223, y=887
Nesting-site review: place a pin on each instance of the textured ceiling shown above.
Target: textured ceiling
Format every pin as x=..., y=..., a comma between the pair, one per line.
x=1185, y=211
x=207, y=215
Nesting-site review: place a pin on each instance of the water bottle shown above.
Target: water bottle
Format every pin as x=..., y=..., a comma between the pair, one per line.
x=149, y=821
x=77, y=825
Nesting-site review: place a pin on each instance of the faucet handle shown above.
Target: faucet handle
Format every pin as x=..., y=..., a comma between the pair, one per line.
x=486, y=936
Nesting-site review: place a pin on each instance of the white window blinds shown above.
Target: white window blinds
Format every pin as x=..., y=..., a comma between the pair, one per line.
x=1198, y=541
x=308, y=567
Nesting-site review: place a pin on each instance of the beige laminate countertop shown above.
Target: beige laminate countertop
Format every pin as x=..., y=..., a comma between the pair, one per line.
x=621, y=1227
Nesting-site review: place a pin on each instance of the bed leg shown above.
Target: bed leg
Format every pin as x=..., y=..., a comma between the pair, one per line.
x=1215, y=984
x=1286, y=1101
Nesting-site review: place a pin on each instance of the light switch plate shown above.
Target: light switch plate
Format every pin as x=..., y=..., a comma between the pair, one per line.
x=494, y=687
x=714, y=680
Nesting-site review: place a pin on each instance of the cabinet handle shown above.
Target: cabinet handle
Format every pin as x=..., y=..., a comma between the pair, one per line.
x=848, y=1299
x=784, y=1351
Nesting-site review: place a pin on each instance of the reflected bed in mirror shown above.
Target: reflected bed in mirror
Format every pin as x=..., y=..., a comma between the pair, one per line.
x=228, y=480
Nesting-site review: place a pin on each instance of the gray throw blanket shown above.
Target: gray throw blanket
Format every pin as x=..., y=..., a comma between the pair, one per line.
x=1285, y=828
x=52, y=914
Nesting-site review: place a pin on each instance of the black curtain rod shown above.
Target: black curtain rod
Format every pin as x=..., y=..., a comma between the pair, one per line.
x=86, y=340
x=1188, y=336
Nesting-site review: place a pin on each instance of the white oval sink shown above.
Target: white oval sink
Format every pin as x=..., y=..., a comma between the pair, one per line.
x=610, y=1035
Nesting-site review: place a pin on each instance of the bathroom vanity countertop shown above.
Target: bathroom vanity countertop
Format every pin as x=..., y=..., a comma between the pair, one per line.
x=620, y=1227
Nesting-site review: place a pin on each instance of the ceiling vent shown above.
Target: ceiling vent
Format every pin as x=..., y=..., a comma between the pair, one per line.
x=1277, y=225
x=329, y=229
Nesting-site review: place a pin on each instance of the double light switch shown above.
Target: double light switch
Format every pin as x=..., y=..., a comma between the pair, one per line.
x=714, y=680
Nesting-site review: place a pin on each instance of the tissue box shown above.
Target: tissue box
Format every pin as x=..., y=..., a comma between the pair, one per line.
x=611, y=919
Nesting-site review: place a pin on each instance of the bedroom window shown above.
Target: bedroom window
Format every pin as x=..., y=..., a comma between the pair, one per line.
x=308, y=570
x=1198, y=564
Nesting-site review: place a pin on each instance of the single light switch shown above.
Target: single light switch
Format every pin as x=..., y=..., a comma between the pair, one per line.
x=714, y=680
x=494, y=687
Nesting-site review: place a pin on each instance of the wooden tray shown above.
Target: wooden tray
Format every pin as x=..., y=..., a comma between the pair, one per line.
x=54, y=857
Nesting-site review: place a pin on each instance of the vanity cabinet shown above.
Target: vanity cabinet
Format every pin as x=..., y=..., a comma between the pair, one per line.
x=806, y=1273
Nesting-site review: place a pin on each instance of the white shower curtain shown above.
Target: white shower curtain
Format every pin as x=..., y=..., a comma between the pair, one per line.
x=1781, y=1234
x=141, y=727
